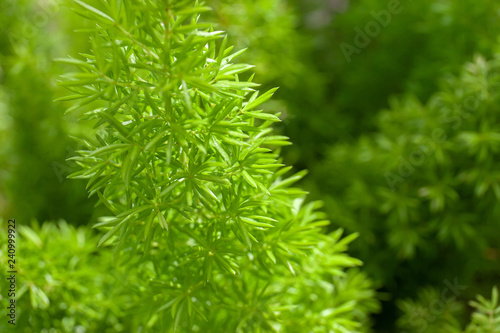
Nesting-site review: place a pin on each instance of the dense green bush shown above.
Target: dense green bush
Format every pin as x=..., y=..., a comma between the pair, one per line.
x=421, y=190
x=424, y=42
x=329, y=98
x=63, y=283
x=183, y=161
x=71, y=286
x=425, y=187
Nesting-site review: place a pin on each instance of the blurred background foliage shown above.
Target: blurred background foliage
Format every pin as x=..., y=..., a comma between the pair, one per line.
x=426, y=212
x=34, y=131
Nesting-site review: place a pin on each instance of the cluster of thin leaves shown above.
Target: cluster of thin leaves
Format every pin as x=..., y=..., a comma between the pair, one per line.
x=187, y=163
x=63, y=283
x=423, y=42
x=486, y=318
x=428, y=174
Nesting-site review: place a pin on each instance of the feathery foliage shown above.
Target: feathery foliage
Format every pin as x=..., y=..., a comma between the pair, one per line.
x=63, y=283
x=186, y=161
x=204, y=221
x=429, y=180
x=486, y=318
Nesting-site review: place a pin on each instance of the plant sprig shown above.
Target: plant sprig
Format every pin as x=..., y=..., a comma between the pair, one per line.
x=186, y=161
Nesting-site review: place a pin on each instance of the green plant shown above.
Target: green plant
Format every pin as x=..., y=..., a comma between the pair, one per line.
x=188, y=167
x=63, y=283
x=486, y=318
x=434, y=313
x=431, y=312
x=425, y=186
